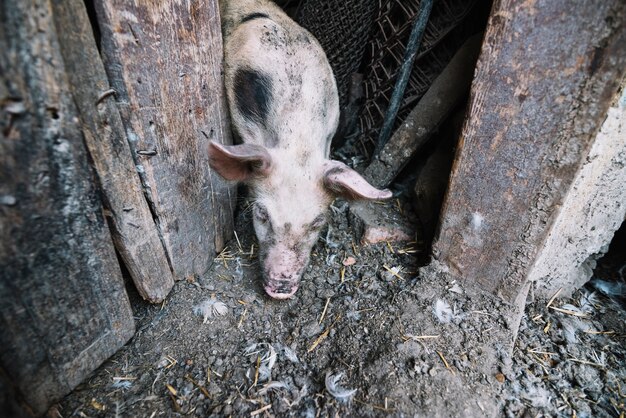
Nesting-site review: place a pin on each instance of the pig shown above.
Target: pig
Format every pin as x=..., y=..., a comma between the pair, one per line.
x=284, y=110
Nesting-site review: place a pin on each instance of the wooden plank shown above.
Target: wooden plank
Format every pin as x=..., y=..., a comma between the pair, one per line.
x=544, y=81
x=590, y=214
x=133, y=229
x=164, y=60
x=63, y=307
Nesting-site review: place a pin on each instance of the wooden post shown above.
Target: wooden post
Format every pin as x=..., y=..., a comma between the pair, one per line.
x=164, y=61
x=590, y=214
x=63, y=307
x=134, y=231
x=545, y=79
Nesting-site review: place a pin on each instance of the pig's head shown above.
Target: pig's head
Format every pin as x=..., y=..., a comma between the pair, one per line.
x=291, y=194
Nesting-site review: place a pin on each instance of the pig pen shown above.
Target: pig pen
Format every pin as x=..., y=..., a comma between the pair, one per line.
x=369, y=333
x=377, y=328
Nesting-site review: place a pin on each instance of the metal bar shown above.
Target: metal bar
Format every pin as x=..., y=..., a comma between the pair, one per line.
x=415, y=39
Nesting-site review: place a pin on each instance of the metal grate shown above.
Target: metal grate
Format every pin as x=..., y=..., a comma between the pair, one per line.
x=445, y=32
x=343, y=29
x=370, y=36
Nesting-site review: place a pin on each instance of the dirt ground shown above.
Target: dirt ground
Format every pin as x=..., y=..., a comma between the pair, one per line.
x=369, y=333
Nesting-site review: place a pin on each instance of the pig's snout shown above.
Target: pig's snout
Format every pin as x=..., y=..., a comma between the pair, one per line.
x=282, y=271
x=278, y=289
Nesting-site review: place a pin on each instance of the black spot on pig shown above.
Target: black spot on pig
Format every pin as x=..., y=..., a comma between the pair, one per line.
x=253, y=16
x=253, y=95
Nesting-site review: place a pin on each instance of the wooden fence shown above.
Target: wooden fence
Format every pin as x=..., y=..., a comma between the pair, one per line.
x=103, y=151
x=547, y=74
x=100, y=155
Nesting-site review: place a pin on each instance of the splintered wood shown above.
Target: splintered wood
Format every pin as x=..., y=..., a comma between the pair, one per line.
x=63, y=304
x=164, y=61
x=134, y=231
x=536, y=105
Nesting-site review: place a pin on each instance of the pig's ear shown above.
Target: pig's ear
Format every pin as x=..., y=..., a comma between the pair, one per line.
x=343, y=181
x=239, y=162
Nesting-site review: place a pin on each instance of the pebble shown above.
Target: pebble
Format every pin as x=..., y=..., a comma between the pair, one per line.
x=319, y=280
x=325, y=293
x=238, y=405
x=213, y=389
x=7, y=200
x=311, y=329
x=349, y=261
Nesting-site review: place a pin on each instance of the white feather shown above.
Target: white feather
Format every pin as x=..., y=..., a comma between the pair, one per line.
x=290, y=354
x=443, y=311
x=610, y=288
x=266, y=362
x=210, y=308
x=122, y=384
x=273, y=385
x=338, y=392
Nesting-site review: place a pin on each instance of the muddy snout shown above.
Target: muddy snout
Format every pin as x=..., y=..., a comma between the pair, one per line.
x=280, y=288
x=282, y=271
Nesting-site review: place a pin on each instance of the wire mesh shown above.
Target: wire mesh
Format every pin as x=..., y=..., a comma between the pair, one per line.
x=445, y=32
x=370, y=37
x=343, y=29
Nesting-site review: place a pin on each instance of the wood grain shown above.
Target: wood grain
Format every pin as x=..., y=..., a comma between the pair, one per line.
x=545, y=79
x=133, y=228
x=63, y=306
x=164, y=60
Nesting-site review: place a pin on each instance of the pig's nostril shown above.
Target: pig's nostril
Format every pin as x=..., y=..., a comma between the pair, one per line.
x=283, y=289
x=278, y=290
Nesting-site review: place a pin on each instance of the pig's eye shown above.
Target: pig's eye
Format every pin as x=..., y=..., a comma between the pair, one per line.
x=318, y=223
x=261, y=215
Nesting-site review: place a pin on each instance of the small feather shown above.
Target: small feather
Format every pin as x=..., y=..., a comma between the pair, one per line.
x=290, y=355
x=610, y=288
x=210, y=308
x=443, y=311
x=338, y=392
x=266, y=363
x=272, y=385
x=122, y=384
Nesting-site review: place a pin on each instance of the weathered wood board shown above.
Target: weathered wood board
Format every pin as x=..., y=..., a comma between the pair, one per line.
x=546, y=76
x=590, y=214
x=133, y=229
x=63, y=307
x=164, y=60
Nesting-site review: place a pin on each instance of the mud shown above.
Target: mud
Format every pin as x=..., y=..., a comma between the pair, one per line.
x=369, y=333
